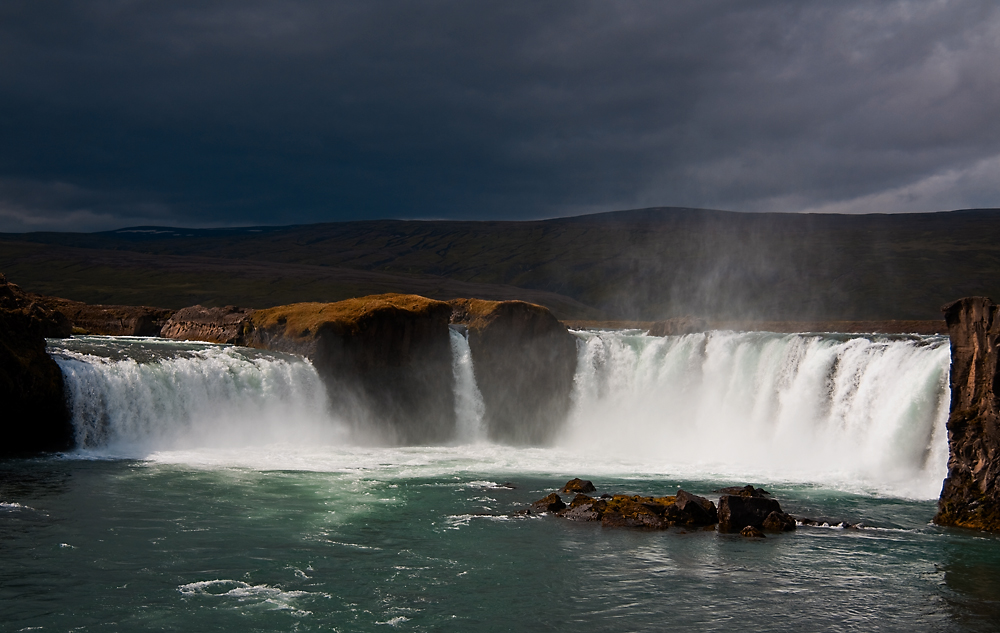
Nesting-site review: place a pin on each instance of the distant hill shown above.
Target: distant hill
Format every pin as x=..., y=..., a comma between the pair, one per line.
x=643, y=264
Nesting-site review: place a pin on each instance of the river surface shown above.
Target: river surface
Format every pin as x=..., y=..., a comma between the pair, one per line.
x=212, y=492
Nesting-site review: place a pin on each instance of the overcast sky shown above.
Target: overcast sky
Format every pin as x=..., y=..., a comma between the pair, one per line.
x=213, y=113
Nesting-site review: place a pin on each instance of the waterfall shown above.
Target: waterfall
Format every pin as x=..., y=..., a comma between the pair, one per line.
x=129, y=396
x=853, y=412
x=812, y=408
x=469, y=407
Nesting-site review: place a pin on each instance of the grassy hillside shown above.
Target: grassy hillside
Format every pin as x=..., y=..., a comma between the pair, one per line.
x=644, y=265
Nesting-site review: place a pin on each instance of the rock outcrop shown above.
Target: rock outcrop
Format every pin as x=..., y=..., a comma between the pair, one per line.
x=386, y=360
x=109, y=320
x=34, y=415
x=635, y=511
x=228, y=325
x=970, y=496
x=737, y=512
x=578, y=485
x=525, y=360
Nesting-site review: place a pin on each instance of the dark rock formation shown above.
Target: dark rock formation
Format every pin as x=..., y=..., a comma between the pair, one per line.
x=779, y=522
x=737, y=512
x=228, y=325
x=525, y=360
x=578, y=485
x=751, y=532
x=694, y=510
x=970, y=496
x=109, y=320
x=744, y=491
x=34, y=416
x=635, y=511
x=550, y=503
x=386, y=360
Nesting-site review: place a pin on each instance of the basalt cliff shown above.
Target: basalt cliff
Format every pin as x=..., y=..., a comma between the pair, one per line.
x=970, y=496
x=387, y=360
x=34, y=416
x=525, y=360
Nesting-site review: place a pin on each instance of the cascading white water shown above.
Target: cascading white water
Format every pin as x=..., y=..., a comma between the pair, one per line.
x=469, y=407
x=851, y=412
x=863, y=411
x=139, y=395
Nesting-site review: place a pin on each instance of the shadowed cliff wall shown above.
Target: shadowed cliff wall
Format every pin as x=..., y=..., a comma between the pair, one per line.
x=34, y=415
x=969, y=497
x=524, y=361
x=386, y=360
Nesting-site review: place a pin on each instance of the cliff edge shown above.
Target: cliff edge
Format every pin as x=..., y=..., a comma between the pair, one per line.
x=969, y=497
x=34, y=415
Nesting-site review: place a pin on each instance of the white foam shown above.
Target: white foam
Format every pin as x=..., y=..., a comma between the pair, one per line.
x=242, y=592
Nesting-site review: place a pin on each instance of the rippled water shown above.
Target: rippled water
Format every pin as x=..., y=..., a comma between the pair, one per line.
x=424, y=539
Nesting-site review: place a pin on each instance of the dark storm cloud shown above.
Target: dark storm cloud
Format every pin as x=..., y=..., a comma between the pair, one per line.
x=211, y=113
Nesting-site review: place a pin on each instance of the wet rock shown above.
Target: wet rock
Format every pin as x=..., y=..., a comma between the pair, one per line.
x=584, y=508
x=779, y=522
x=694, y=511
x=970, y=496
x=525, y=360
x=33, y=413
x=229, y=325
x=579, y=485
x=744, y=491
x=751, y=532
x=847, y=525
x=637, y=512
x=549, y=503
x=738, y=512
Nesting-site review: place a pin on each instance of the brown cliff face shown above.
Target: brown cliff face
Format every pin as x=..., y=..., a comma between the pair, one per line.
x=228, y=325
x=34, y=415
x=524, y=361
x=109, y=320
x=970, y=497
x=386, y=360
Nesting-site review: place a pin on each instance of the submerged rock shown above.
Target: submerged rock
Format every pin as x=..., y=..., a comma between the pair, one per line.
x=525, y=360
x=579, y=485
x=751, y=532
x=33, y=413
x=970, y=496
